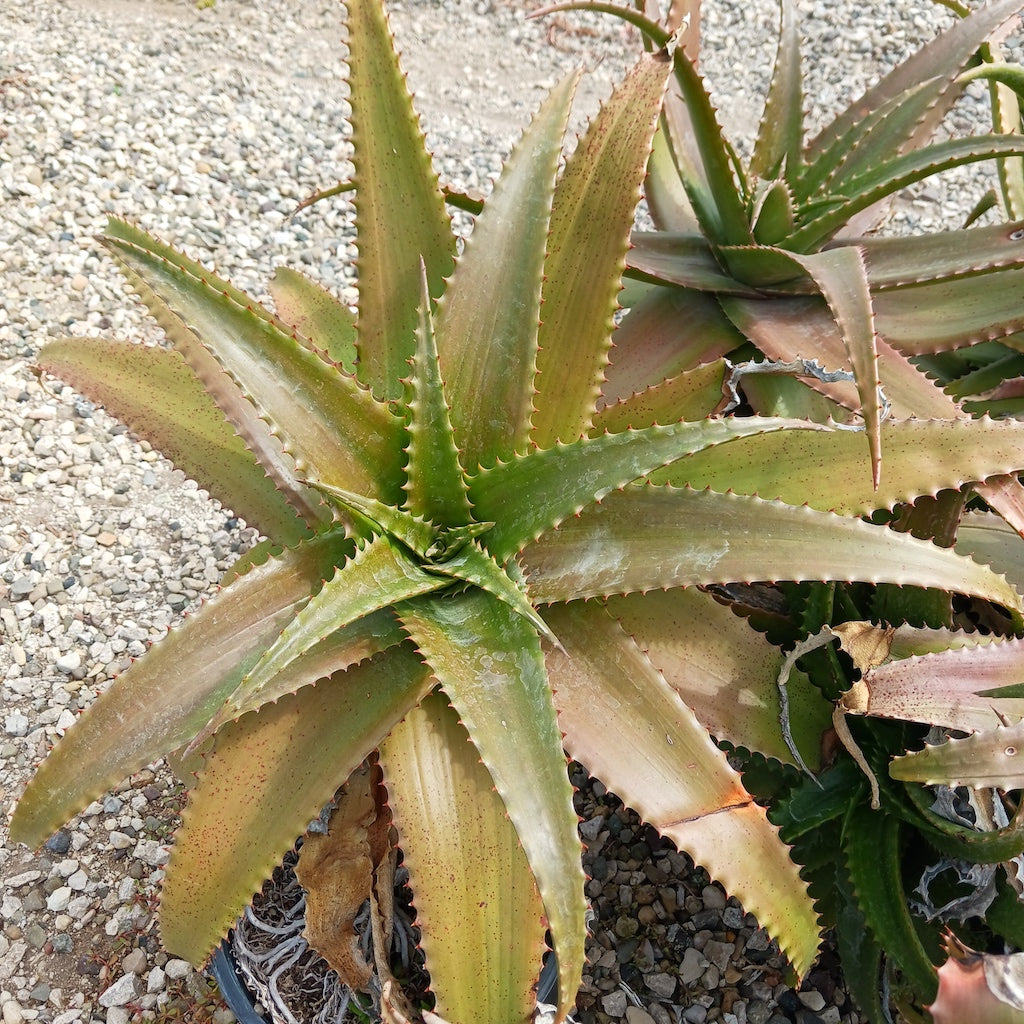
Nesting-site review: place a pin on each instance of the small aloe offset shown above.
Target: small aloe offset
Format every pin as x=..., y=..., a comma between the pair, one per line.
x=476, y=564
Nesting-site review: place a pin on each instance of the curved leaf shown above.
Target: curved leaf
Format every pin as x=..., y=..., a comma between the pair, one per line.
x=631, y=729
x=268, y=775
x=155, y=394
x=163, y=700
x=313, y=311
x=780, y=134
x=642, y=538
x=476, y=899
x=488, y=660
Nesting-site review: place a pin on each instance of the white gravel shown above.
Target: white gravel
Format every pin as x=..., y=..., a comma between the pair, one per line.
x=207, y=126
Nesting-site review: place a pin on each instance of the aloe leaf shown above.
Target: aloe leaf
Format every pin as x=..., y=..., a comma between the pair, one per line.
x=591, y=216
x=392, y=172
x=666, y=197
x=488, y=661
x=725, y=672
x=890, y=176
x=672, y=775
x=958, y=689
x=415, y=532
x=268, y=775
x=488, y=318
x=685, y=259
x=334, y=429
x=377, y=576
x=533, y=493
x=667, y=332
x=780, y=134
x=948, y=314
x=828, y=471
x=164, y=699
x=989, y=759
x=691, y=396
x=647, y=537
x=785, y=329
x=937, y=63
x=872, y=845
x=313, y=311
x=435, y=485
x=472, y=910
x=987, y=538
x=155, y=394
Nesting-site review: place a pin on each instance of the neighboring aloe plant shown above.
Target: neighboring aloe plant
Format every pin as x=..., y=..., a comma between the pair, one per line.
x=472, y=566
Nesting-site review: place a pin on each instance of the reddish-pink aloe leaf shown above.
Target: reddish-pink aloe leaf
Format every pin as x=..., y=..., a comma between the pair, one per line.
x=989, y=759
x=268, y=775
x=646, y=537
x=335, y=430
x=378, y=575
x=935, y=66
x=669, y=331
x=685, y=259
x=476, y=898
x=828, y=471
x=780, y=134
x=726, y=672
x=314, y=312
x=488, y=318
x=957, y=689
x=785, y=329
x=591, y=217
x=671, y=772
x=531, y=494
x=979, y=987
x=392, y=173
x=488, y=660
x=156, y=395
x=163, y=700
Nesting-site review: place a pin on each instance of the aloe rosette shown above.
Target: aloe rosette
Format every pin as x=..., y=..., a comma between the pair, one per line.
x=472, y=565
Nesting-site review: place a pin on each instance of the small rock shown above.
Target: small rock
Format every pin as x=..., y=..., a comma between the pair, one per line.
x=134, y=962
x=177, y=969
x=59, y=899
x=122, y=992
x=614, y=1003
x=11, y=1012
x=692, y=967
x=812, y=1000
x=156, y=980
x=713, y=898
x=636, y=1015
x=662, y=985
x=59, y=842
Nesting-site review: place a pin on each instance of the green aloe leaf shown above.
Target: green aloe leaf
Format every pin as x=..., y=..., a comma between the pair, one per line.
x=347, y=438
x=153, y=392
x=647, y=537
x=465, y=864
x=828, y=471
x=872, y=845
x=392, y=172
x=725, y=671
x=693, y=395
x=488, y=318
x=686, y=259
x=992, y=758
x=163, y=700
x=377, y=576
x=268, y=775
x=531, y=494
x=488, y=661
x=780, y=134
x=313, y=311
x=591, y=217
x=435, y=484
x=673, y=774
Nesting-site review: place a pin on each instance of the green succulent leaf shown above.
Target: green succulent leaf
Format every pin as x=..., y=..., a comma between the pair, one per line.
x=268, y=775
x=991, y=758
x=780, y=135
x=376, y=577
x=488, y=661
x=314, y=312
x=347, y=438
x=488, y=319
x=465, y=863
x=392, y=172
x=647, y=537
x=163, y=700
x=153, y=391
x=592, y=213
x=534, y=493
x=672, y=773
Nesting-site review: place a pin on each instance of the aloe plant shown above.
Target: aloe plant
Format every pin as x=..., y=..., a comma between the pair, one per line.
x=473, y=566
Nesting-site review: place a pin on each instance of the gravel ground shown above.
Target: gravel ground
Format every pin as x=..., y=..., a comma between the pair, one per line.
x=207, y=126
